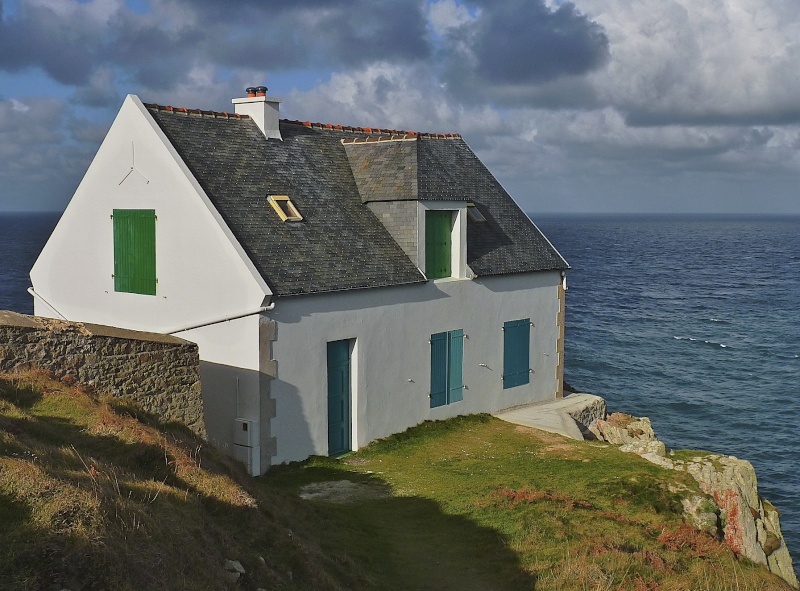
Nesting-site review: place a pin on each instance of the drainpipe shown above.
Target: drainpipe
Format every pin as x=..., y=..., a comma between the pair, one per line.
x=222, y=319
x=48, y=304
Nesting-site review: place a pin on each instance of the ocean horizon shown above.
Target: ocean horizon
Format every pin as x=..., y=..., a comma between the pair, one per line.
x=689, y=319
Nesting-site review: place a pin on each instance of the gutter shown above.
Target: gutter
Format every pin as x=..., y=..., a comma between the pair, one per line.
x=221, y=319
x=45, y=302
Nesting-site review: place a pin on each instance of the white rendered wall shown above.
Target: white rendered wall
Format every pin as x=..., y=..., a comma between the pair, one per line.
x=391, y=372
x=229, y=373
x=202, y=274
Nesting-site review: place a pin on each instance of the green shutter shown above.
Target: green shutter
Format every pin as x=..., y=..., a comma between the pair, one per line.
x=516, y=352
x=438, y=227
x=135, y=251
x=455, y=359
x=438, y=369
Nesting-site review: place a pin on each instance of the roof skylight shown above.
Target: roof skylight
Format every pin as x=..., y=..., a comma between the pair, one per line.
x=285, y=208
x=474, y=213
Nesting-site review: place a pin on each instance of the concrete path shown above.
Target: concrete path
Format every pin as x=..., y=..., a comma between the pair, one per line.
x=562, y=415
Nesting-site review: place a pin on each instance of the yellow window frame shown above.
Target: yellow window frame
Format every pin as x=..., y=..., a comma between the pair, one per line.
x=284, y=207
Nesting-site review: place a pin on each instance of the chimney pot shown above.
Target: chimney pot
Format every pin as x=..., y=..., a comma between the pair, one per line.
x=262, y=109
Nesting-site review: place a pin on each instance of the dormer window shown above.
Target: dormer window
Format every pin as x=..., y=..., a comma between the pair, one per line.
x=285, y=208
x=474, y=213
x=442, y=240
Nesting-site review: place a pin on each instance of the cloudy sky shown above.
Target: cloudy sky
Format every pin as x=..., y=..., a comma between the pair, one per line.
x=591, y=106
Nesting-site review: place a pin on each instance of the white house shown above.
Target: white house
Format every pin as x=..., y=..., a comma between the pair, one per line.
x=342, y=284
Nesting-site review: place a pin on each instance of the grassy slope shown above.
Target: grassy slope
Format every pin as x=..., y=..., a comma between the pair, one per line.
x=94, y=495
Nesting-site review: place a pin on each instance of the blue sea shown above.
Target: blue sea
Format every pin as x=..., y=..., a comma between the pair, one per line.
x=22, y=236
x=692, y=321
x=695, y=323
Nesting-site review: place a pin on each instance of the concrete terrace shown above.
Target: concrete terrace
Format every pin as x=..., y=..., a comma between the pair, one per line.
x=570, y=416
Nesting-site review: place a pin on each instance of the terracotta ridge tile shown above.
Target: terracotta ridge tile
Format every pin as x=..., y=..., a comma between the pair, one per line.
x=200, y=112
x=375, y=133
x=384, y=134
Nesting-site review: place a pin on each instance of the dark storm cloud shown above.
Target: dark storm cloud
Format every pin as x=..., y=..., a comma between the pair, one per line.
x=742, y=116
x=515, y=51
x=158, y=49
x=522, y=42
x=40, y=163
x=71, y=46
x=38, y=37
x=333, y=33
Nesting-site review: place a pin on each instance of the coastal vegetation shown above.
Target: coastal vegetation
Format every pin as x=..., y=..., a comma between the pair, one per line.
x=96, y=494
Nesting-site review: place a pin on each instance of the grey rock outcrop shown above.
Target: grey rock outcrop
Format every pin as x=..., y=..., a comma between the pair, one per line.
x=751, y=525
x=233, y=570
x=702, y=513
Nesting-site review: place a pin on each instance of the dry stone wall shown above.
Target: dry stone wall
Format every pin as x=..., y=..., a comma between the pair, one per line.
x=161, y=373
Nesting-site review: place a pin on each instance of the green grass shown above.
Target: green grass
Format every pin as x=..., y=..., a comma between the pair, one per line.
x=95, y=494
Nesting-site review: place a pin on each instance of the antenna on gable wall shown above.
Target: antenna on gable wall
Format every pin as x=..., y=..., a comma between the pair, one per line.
x=133, y=167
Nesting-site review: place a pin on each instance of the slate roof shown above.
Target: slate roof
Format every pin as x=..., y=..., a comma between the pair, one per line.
x=448, y=170
x=384, y=171
x=341, y=244
x=508, y=242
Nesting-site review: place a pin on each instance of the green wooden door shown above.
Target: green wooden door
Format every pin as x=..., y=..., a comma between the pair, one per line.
x=438, y=227
x=338, y=397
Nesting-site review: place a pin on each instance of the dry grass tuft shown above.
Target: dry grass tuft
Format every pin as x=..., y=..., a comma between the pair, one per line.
x=510, y=498
x=684, y=538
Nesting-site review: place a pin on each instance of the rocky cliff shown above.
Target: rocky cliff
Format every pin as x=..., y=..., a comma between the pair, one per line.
x=731, y=504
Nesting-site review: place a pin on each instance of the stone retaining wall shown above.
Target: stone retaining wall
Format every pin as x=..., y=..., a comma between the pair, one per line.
x=159, y=372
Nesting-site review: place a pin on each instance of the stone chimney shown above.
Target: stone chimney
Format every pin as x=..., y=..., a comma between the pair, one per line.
x=262, y=109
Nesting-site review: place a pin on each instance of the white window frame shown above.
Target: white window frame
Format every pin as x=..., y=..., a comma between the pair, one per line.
x=458, y=237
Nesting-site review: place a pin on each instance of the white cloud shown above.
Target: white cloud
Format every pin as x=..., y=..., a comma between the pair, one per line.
x=699, y=61
x=381, y=95
x=99, y=11
x=663, y=89
x=444, y=15
x=19, y=106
